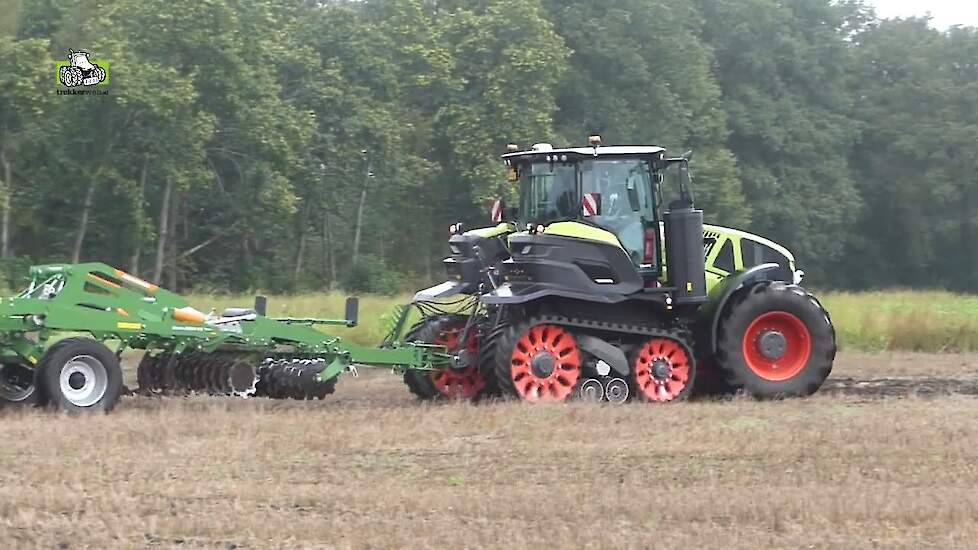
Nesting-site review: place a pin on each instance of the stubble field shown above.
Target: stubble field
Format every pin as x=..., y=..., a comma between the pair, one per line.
x=886, y=455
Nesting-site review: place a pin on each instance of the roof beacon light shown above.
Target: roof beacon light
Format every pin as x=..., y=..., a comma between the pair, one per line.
x=512, y=148
x=594, y=140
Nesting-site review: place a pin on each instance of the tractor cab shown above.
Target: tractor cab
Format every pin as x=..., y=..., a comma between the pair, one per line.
x=612, y=195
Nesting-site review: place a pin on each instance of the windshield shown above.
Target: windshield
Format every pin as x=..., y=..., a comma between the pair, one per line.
x=548, y=192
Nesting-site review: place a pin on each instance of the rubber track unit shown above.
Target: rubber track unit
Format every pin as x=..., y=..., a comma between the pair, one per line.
x=775, y=296
x=420, y=382
x=495, y=355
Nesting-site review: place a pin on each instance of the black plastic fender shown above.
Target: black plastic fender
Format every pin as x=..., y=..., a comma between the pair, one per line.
x=708, y=315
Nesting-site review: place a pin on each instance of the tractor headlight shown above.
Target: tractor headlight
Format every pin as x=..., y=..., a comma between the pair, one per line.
x=798, y=276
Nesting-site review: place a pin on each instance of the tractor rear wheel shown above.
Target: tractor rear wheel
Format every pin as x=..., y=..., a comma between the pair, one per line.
x=446, y=330
x=776, y=340
x=18, y=387
x=80, y=375
x=537, y=362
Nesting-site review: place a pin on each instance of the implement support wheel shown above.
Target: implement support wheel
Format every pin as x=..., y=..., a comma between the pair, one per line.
x=80, y=375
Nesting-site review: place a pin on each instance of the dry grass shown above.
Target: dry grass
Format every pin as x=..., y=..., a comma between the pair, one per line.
x=371, y=468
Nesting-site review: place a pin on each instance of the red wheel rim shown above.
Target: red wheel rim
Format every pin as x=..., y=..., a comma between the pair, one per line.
x=797, y=346
x=452, y=383
x=670, y=384
x=548, y=344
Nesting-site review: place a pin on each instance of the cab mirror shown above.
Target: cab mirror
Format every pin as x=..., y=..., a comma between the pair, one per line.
x=592, y=205
x=498, y=210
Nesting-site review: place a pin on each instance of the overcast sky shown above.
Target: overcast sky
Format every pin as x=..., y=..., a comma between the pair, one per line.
x=945, y=12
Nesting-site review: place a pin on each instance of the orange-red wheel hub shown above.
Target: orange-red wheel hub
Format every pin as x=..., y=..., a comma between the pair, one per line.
x=545, y=364
x=777, y=345
x=662, y=370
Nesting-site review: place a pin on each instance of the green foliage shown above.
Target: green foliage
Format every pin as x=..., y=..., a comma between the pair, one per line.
x=280, y=140
x=372, y=275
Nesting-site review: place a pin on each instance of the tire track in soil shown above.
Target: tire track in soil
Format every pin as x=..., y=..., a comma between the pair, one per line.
x=899, y=387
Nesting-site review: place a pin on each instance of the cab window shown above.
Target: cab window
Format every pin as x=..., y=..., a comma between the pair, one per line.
x=754, y=253
x=627, y=203
x=725, y=258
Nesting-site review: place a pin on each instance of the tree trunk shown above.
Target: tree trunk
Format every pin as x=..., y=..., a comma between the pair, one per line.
x=161, y=230
x=301, y=248
x=328, y=250
x=8, y=188
x=356, y=234
x=138, y=250
x=173, y=273
x=83, y=222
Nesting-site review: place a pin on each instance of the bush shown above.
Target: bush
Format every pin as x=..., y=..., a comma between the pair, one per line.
x=371, y=275
x=14, y=273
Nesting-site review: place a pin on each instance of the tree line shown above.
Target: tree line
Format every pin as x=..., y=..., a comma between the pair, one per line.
x=290, y=144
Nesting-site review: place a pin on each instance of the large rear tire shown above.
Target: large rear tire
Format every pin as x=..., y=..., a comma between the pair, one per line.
x=776, y=340
x=445, y=330
x=80, y=375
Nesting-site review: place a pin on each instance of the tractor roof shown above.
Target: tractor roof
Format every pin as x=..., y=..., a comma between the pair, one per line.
x=544, y=149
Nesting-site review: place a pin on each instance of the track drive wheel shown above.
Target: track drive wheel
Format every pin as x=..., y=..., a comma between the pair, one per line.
x=80, y=375
x=776, y=340
x=18, y=387
x=662, y=370
x=537, y=362
x=445, y=330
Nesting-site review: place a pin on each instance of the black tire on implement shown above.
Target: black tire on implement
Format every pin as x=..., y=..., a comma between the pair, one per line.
x=805, y=325
x=19, y=387
x=72, y=364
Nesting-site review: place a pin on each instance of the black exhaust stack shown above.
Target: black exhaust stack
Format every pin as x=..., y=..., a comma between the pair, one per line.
x=685, y=264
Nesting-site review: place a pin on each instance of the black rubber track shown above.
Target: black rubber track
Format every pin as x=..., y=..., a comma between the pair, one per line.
x=760, y=299
x=426, y=331
x=487, y=365
x=58, y=355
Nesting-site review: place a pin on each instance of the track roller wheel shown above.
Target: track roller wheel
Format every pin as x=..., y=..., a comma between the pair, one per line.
x=662, y=370
x=776, y=340
x=537, y=362
x=18, y=387
x=446, y=330
x=80, y=375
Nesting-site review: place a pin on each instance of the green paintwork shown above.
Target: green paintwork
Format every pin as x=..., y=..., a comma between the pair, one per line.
x=109, y=304
x=581, y=231
x=489, y=232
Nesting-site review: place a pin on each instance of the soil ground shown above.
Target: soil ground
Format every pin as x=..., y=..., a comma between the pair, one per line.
x=886, y=455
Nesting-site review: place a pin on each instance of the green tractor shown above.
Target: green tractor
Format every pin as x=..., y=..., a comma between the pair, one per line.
x=582, y=303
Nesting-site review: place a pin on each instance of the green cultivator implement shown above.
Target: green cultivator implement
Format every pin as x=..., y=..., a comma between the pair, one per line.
x=240, y=352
